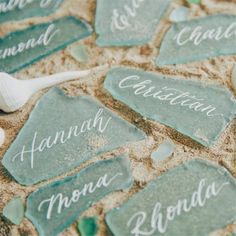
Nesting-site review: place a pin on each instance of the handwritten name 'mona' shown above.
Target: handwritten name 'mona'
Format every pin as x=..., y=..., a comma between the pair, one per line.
x=160, y=220
x=44, y=39
x=21, y=4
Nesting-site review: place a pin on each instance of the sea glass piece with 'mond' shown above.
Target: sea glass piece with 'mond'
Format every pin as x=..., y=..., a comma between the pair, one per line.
x=22, y=48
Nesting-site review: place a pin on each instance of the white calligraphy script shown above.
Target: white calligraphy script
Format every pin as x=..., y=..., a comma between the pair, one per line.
x=62, y=137
x=172, y=96
x=120, y=20
x=197, y=35
x=160, y=221
x=44, y=39
x=64, y=202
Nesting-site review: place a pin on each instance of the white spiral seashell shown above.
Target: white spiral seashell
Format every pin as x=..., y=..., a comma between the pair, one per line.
x=14, y=93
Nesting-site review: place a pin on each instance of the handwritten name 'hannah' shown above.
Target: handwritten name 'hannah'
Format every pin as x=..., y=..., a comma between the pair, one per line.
x=21, y=4
x=44, y=39
x=172, y=96
x=160, y=220
x=99, y=122
x=197, y=35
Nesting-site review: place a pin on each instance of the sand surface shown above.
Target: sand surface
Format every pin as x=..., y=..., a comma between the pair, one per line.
x=216, y=70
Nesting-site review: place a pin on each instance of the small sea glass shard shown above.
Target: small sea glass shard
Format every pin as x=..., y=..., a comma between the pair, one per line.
x=200, y=111
x=198, y=39
x=233, y=78
x=19, y=10
x=179, y=14
x=87, y=226
x=125, y=23
x=22, y=48
x=79, y=53
x=194, y=1
x=163, y=151
x=194, y=199
x=61, y=133
x=14, y=211
x=56, y=206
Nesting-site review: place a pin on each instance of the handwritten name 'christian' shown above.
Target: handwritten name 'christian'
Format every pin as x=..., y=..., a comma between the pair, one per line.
x=62, y=137
x=44, y=39
x=172, y=96
x=160, y=221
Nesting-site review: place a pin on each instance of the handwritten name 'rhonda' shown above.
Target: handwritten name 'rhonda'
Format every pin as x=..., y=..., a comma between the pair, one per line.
x=99, y=122
x=160, y=220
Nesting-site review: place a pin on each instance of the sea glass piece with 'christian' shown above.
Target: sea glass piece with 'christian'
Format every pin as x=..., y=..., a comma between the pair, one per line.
x=22, y=48
x=61, y=133
x=198, y=110
x=194, y=199
x=198, y=39
x=15, y=10
x=55, y=207
x=127, y=22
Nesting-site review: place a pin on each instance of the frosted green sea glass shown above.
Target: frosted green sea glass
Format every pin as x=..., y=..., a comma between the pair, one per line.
x=87, y=226
x=15, y=10
x=56, y=206
x=61, y=133
x=194, y=199
x=200, y=111
x=22, y=48
x=14, y=211
x=198, y=39
x=127, y=22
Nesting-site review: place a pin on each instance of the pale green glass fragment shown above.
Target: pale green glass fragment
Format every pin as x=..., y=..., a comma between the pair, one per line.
x=14, y=211
x=61, y=133
x=127, y=22
x=198, y=110
x=79, y=53
x=163, y=151
x=179, y=14
x=194, y=199
x=194, y=1
x=15, y=10
x=56, y=206
x=198, y=39
x=22, y=48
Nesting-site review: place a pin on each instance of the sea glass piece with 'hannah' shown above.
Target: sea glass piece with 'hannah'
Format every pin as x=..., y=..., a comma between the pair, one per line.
x=61, y=133
x=14, y=10
x=127, y=22
x=22, y=48
x=198, y=39
x=198, y=110
x=193, y=199
x=55, y=207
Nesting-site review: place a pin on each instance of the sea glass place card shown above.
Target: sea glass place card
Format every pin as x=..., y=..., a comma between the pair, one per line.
x=14, y=10
x=127, y=22
x=55, y=207
x=200, y=111
x=198, y=39
x=194, y=199
x=61, y=133
x=22, y=48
